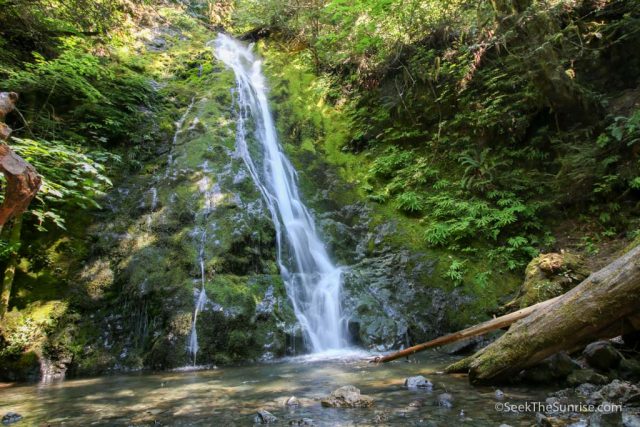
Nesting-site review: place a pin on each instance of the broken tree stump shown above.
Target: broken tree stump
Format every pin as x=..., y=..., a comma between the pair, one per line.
x=22, y=180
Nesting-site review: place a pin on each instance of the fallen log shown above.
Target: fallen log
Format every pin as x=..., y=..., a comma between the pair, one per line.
x=473, y=331
x=606, y=304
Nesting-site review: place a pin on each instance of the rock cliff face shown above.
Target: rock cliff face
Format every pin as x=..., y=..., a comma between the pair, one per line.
x=195, y=220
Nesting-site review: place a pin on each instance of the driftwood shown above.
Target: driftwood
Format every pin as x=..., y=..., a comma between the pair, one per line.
x=473, y=331
x=604, y=305
x=22, y=180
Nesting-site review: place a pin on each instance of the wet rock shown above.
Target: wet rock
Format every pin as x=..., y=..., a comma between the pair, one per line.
x=565, y=392
x=264, y=417
x=157, y=44
x=553, y=368
x=629, y=369
x=590, y=376
x=11, y=417
x=543, y=420
x=617, y=392
x=381, y=418
x=445, y=400
x=266, y=307
x=598, y=419
x=292, y=401
x=601, y=355
x=418, y=382
x=347, y=397
x=586, y=389
x=417, y=403
x=554, y=402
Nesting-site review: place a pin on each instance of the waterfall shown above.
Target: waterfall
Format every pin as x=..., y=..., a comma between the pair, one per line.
x=312, y=281
x=193, y=346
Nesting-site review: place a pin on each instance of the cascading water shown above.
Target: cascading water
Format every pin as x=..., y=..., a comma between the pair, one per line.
x=313, y=282
x=179, y=124
x=193, y=346
x=209, y=194
x=200, y=234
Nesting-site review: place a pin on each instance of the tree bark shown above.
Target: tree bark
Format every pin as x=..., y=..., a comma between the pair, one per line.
x=22, y=180
x=10, y=269
x=604, y=305
x=473, y=331
x=22, y=184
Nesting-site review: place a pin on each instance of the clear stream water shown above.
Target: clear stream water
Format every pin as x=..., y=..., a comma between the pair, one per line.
x=313, y=282
x=231, y=396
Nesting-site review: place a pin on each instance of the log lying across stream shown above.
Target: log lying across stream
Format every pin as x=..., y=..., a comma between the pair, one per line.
x=604, y=305
x=473, y=331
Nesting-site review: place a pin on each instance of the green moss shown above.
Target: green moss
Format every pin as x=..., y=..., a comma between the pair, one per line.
x=316, y=130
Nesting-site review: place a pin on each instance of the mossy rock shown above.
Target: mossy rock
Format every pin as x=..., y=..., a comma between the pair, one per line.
x=548, y=276
x=25, y=367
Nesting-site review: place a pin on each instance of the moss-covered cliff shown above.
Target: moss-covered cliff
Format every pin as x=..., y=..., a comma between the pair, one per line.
x=437, y=163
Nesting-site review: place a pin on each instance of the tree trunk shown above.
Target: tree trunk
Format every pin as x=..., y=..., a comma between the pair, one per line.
x=10, y=269
x=604, y=305
x=22, y=180
x=22, y=184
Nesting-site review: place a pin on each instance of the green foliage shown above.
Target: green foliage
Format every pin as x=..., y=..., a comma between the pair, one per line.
x=480, y=169
x=78, y=95
x=485, y=133
x=456, y=271
x=71, y=178
x=410, y=201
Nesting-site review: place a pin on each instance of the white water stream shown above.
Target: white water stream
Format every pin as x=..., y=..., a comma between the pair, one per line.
x=312, y=281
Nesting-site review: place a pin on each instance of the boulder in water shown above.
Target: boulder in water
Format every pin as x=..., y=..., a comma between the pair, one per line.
x=445, y=400
x=617, y=392
x=11, y=417
x=418, y=382
x=292, y=401
x=590, y=376
x=264, y=417
x=347, y=397
x=556, y=367
x=629, y=369
x=601, y=355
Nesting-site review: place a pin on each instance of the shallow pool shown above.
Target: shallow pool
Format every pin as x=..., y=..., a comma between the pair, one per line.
x=232, y=395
